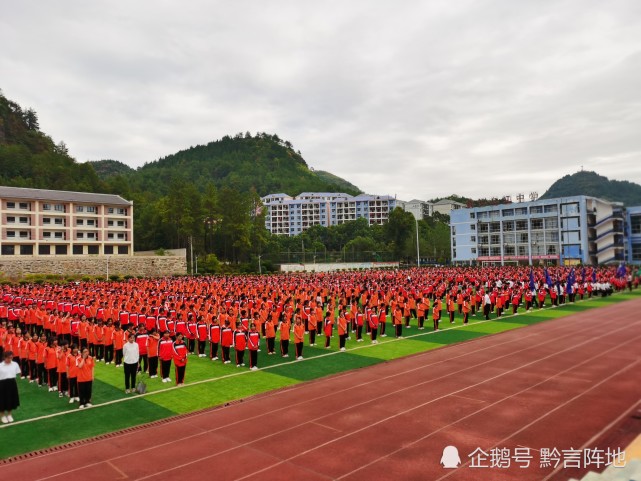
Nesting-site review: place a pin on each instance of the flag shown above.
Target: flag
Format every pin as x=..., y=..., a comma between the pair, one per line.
x=583, y=275
x=571, y=280
x=593, y=275
x=548, y=279
x=532, y=287
x=621, y=271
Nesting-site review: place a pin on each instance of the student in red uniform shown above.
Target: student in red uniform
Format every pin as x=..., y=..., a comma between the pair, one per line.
x=201, y=335
x=141, y=339
x=299, y=337
x=214, y=338
x=240, y=344
x=180, y=359
x=373, y=325
x=226, y=341
x=166, y=354
x=85, y=365
x=253, y=343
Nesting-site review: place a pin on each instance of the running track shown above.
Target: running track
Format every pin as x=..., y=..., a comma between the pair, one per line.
x=563, y=383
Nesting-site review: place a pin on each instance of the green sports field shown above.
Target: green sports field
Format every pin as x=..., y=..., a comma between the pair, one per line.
x=44, y=420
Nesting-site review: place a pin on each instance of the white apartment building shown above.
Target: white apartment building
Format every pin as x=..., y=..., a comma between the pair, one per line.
x=38, y=222
x=292, y=215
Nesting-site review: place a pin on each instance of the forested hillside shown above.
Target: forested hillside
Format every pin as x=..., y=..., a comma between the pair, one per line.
x=593, y=184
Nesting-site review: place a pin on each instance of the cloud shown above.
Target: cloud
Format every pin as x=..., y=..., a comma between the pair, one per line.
x=418, y=99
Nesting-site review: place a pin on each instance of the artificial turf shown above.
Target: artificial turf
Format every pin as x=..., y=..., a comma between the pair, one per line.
x=44, y=420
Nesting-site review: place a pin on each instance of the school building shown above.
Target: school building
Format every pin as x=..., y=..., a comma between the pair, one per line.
x=38, y=222
x=292, y=215
x=633, y=235
x=561, y=231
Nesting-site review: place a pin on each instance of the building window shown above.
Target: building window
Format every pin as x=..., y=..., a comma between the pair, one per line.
x=508, y=212
x=536, y=224
x=11, y=205
x=59, y=208
x=11, y=220
x=123, y=249
x=46, y=235
x=8, y=250
x=23, y=220
x=473, y=250
x=26, y=250
x=473, y=227
x=636, y=252
x=78, y=250
x=549, y=209
x=472, y=215
x=122, y=211
x=61, y=250
x=23, y=205
x=536, y=209
x=11, y=233
x=91, y=209
x=46, y=206
x=46, y=220
x=635, y=224
x=80, y=208
x=58, y=235
x=58, y=221
x=44, y=250
x=92, y=249
x=91, y=222
x=80, y=222
x=110, y=235
x=110, y=210
x=473, y=238
x=91, y=235
x=80, y=235
x=122, y=223
x=109, y=250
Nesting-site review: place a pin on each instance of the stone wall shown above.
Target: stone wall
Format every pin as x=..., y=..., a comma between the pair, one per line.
x=16, y=267
x=336, y=266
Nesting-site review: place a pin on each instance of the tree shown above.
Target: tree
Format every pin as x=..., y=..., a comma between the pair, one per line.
x=31, y=120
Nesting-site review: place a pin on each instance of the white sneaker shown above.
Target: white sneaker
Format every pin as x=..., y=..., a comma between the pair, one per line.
x=77, y=399
x=88, y=405
x=299, y=358
x=214, y=358
x=285, y=355
x=5, y=419
x=82, y=406
x=10, y=418
x=342, y=348
x=50, y=389
x=255, y=368
x=72, y=400
x=127, y=391
x=237, y=365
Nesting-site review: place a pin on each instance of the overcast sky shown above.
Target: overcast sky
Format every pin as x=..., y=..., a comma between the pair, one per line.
x=414, y=98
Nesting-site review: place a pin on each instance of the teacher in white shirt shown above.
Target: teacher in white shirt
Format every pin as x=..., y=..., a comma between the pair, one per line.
x=9, y=398
x=130, y=358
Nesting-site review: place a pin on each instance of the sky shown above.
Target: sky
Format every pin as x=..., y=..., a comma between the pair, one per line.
x=418, y=99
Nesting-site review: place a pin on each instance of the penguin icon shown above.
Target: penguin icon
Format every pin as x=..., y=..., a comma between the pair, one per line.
x=450, y=458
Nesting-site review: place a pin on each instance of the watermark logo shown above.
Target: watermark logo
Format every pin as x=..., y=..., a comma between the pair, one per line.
x=450, y=458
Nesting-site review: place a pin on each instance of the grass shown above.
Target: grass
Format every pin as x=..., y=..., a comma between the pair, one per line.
x=44, y=420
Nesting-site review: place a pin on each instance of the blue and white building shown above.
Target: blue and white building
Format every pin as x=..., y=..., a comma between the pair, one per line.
x=561, y=231
x=633, y=235
x=292, y=215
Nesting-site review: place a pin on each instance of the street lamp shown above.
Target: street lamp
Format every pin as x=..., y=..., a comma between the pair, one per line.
x=108, y=267
x=260, y=269
x=418, y=252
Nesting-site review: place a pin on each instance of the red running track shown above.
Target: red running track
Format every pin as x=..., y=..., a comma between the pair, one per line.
x=559, y=384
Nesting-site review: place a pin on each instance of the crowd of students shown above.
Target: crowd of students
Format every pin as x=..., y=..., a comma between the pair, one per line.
x=57, y=332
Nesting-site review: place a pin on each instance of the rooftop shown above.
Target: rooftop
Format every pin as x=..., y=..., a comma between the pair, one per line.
x=61, y=196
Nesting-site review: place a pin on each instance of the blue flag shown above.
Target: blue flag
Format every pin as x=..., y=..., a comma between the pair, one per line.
x=621, y=271
x=571, y=280
x=593, y=275
x=532, y=287
x=583, y=275
x=548, y=279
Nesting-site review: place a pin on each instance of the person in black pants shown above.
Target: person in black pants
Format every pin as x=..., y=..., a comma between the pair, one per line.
x=131, y=357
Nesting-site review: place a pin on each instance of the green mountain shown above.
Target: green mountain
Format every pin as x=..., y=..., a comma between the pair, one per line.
x=262, y=163
x=108, y=168
x=30, y=158
x=593, y=184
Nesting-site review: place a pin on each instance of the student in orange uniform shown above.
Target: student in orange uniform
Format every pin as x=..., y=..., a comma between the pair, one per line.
x=61, y=369
x=466, y=309
x=85, y=365
x=201, y=335
x=328, y=325
x=397, y=320
x=41, y=344
x=72, y=374
x=51, y=363
x=373, y=324
x=180, y=359
x=118, y=339
x=284, y=329
x=342, y=328
x=253, y=342
x=152, y=352
x=270, y=335
x=299, y=337
x=108, y=342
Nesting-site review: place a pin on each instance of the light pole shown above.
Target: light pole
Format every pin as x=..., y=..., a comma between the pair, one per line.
x=260, y=269
x=108, y=267
x=418, y=252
